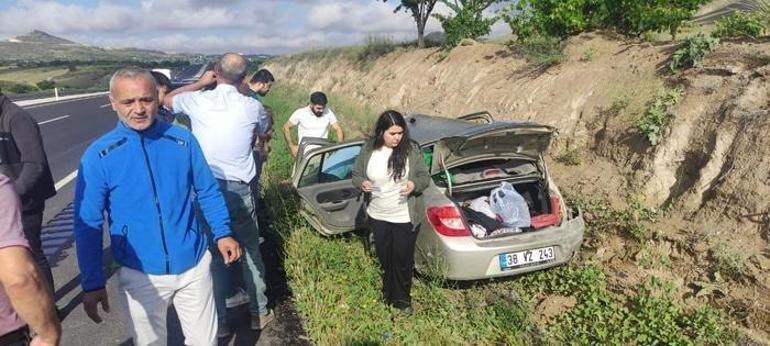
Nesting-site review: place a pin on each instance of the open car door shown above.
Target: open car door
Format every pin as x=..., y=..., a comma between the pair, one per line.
x=323, y=180
x=308, y=143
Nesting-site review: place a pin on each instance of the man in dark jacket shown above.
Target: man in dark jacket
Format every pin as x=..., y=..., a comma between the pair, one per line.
x=23, y=159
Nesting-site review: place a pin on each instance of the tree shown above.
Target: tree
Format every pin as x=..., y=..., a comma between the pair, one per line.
x=562, y=18
x=420, y=11
x=467, y=21
x=457, y=5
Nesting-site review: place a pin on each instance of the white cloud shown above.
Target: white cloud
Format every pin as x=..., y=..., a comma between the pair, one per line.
x=356, y=18
x=56, y=17
x=211, y=26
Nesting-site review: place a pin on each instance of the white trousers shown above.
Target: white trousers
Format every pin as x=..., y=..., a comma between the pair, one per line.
x=147, y=298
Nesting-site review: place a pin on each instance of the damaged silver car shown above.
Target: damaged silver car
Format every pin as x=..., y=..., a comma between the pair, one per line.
x=467, y=157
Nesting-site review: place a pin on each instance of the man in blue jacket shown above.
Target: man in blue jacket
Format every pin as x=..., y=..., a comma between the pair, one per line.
x=144, y=174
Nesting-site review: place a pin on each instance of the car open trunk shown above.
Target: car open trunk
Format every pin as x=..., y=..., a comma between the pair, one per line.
x=537, y=199
x=469, y=165
x=477, y=179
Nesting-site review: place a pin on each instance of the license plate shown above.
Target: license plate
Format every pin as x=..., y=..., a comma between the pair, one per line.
x=520, y=258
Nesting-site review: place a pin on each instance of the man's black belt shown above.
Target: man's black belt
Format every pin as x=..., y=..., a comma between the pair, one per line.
x=15, y=337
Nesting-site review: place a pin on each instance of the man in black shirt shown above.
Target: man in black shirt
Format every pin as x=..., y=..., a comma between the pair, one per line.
x=23, y=159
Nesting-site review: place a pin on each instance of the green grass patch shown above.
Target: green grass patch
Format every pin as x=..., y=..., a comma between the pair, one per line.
x=541, y=51
x=727, y=260
x=10, y=87
x=652, y=315
x=87, y=77
x=570, y=157
x=336, y=284
x=658, y=115
x=633, y=220
x=363, y=56
x=31, y=76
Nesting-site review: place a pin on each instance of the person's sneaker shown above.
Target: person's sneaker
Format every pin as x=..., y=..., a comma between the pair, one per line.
x=259, y=322
x=407, y=311
x=238, y=299
x=223, y=331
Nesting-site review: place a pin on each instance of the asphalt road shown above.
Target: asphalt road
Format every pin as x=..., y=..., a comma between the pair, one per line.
x=68, y=127
x=190, y=72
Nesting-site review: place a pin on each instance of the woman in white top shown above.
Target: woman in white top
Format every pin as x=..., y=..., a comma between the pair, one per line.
x=392, y=174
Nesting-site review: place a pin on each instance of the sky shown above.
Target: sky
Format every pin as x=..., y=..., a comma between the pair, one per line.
x=215, y=26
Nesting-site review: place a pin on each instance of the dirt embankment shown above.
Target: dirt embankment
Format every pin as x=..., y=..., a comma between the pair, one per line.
x=710, y=172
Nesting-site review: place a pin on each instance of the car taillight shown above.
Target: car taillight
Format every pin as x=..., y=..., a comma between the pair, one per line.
x=448, y=220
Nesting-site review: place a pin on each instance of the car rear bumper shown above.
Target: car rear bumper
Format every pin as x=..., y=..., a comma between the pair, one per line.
x=467, y=258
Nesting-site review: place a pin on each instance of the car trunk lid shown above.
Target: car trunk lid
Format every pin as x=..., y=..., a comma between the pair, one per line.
x=499, y=138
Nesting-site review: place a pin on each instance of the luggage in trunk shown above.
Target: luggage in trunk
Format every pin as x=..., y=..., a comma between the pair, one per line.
x=544, y=209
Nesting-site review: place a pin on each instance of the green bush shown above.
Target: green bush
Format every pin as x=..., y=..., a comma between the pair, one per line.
x=656, y=118
x=557, y=18
x=692, y=52
x=634, y=17
x=467, y=22
x=570, y=157
x=543, y=51
x=727, y=260
x=563, y=18
x=375, y=47
x=740, y=24
x=46, y=84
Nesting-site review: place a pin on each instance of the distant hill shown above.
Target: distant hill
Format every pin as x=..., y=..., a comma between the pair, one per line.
x=40, y=37
x=39, y=46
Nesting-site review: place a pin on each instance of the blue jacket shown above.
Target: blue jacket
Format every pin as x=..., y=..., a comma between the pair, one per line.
x=146, y=182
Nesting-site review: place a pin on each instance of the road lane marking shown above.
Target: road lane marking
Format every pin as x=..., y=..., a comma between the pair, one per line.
x=54, y=103
x=54, y=119
x=105, y=105
x=61, y=183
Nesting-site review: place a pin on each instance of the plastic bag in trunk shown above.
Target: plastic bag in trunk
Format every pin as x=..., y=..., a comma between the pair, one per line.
x=510, y=206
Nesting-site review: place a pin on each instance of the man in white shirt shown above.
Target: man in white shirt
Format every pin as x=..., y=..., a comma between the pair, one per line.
x=224, y=121
x=314, y=120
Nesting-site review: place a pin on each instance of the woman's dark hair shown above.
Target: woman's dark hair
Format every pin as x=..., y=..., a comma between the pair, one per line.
x=397, y=161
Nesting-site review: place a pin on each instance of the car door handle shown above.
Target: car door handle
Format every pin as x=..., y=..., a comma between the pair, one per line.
x=334, y=206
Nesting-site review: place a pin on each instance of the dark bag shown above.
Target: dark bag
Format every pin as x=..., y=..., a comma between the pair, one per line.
x=481, y=219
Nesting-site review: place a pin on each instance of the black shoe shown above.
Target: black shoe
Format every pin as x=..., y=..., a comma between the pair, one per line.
x=407, y=311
